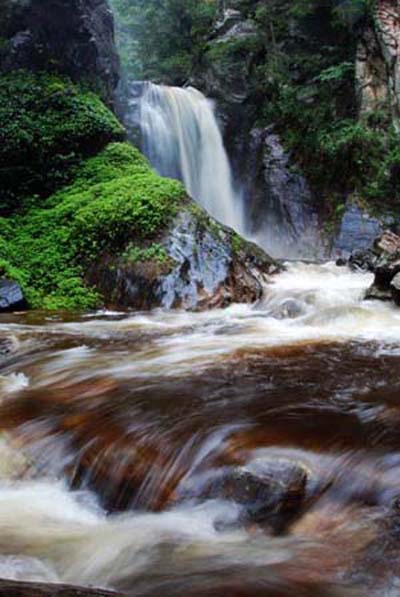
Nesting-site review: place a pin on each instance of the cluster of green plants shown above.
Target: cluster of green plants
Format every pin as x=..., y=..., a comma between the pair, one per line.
x=308, y=91
x=155, y=252
x=162, y=40
x=116, y=197
x=48, y=125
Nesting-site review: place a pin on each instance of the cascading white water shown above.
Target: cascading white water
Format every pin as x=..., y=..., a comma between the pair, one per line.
x=182, y=140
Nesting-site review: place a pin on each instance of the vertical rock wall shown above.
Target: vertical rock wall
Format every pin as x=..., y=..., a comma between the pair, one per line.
x=71, y=37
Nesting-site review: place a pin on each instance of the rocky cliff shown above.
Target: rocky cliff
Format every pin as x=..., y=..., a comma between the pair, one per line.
x=322, y=81
x=70, y=37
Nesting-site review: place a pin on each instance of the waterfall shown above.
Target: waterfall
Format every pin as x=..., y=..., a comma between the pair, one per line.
x=181, y=138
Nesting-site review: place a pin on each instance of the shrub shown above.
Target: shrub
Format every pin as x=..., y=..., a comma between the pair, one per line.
x=48, y=125
x=115, y=201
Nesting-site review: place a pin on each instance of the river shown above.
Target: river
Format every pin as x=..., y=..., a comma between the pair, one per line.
x=248, y=451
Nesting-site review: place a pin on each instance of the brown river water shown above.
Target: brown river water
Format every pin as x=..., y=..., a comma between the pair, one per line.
x=241, y=452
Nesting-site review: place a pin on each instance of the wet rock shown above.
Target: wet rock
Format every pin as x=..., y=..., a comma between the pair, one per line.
x=205, y=265
x=358, y=231
x=11, y=297
x=395, y=289
x=8, y=345
x=270, y=492
x=360, y=260
x=73, y=37
x=386, y=266
x=283, y=216
x=11, y=588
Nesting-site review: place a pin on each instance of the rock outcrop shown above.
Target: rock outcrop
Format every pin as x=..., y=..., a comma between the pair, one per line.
x=357, y=231
x=70, y=37
x=11, y=296
x=383, y=259
x=200, y=265
x=283, y=216
x=378, y=60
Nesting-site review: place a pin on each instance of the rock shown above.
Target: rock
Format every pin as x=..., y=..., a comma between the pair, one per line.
x=203, y=265
x=12, y=588
x=72, y=37
x=384, y=261
x=11, y=297
x=8, y=345
x=227, y=20
x=357, y=232
x=283, y=216
x=271, y=491
x=225, y=71
x=388, y=243
x=378, y=61
x=361, y=260
x=395, y=289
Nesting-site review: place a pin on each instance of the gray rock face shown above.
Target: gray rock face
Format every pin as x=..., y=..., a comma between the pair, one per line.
x=11, y=297
x=72, y=37
x=358, y=230
x=283, y=216
x=225, y=73
x=205, y=266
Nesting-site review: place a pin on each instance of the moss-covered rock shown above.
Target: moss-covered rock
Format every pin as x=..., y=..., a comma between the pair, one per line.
x=48, y=125
x=115, y=197
x=123, y=236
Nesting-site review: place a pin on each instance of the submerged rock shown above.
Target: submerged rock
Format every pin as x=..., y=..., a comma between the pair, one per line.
x=196, y=264
x=11, y=297
x=271, y=492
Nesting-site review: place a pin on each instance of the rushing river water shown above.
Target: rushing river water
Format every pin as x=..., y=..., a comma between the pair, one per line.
x=249, y=451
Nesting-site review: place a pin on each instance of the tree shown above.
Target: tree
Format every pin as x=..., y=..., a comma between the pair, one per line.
x=162, y=39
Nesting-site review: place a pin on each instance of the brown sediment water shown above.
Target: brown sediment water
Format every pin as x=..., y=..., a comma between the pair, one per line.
x=247, y=451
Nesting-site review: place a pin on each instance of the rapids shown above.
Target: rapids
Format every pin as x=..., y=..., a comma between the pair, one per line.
x=118, y=428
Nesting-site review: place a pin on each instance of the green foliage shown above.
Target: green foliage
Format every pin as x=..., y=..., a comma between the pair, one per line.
x=155, y=252
x=162, y=39
x=47, y=126
x=115, y=197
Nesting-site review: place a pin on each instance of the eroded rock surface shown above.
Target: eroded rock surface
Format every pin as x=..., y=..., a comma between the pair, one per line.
x=203, y=265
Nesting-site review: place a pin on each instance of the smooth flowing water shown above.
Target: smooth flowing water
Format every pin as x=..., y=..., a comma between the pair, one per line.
x=247, y=451
x=182, y=140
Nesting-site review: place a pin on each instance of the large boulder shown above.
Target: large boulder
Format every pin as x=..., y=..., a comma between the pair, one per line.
x=385, y=263
x=357, y=231
x=196, y=264
x=71, y=37
x=271, y=492
x=11, y=296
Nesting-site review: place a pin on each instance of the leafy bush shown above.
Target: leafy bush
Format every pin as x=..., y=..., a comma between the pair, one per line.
x=115, y=198
x=47, y=126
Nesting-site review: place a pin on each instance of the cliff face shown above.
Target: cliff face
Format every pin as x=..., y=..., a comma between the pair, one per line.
x=70, y=37
x=324, y=82
x=378, y=60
